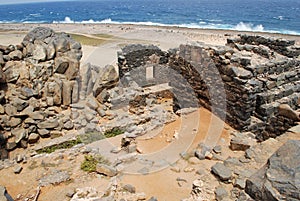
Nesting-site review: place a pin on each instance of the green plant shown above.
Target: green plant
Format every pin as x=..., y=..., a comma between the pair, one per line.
x=90, y=162
x=113, y=132
x=65, y=145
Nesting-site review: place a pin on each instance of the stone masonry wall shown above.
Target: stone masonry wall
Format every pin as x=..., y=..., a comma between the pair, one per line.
x=43, y=94
x=258, y=75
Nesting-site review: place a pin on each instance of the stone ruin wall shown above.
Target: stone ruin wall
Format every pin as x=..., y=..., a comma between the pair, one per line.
x=259, y=75
x=43, y=94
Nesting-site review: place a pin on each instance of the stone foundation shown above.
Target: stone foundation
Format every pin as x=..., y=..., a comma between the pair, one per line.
x=245, y=83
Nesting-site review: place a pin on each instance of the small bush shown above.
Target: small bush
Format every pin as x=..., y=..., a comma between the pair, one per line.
x=65, y=145
x=90, y=162
x=113, y=132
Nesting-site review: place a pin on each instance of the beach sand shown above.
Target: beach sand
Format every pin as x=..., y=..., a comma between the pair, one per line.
x=115, y=36
x=109, y=39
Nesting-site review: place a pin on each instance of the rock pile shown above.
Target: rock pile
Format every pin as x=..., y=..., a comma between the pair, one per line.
x=37, y=77
x=42, y=93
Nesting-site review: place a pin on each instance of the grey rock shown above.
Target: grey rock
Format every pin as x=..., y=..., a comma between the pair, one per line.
x=15, y=122
x=11, y=146
x=70, y=193
x=239, y=144
x=92, y=103
x=279, y=178
x=73, y=70
x=106, y=170
x=19, y=158
x=55, y=177
x=61, y=44
x=68, y=125
x=295, y=129
x=16, y=55
x=54, y=89
x=37, y=115
x=19, y=104
x=75, y=91
x=19, y=133
x=48, y=124
x=61, y=65
x=67, y=93
x=55, y=134
x=50, y=47
x=241, y=73
x=39, y=33
x=44, y=132
x=4, y=196
x=240, y=183
x=86, y=76
x=33, y=138
x=108, y=78
x=201, y=171
x=217, y=149
x=221, y=171
x=12, y=70
x=23, y=143
x=287, y=111
x=74, y=114
x=129, y=188
x=101, y=112
x=221, y=193
x=103, y=96
x=39, y=52
x=153, y=199
x=232, y=162
x=18, y=169
x=27, y=92
x=199, y=155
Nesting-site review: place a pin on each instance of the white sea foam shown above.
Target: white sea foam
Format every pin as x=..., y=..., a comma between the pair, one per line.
x=242, y=26
x=35, y=14
x=248, y=27
x=280, y=17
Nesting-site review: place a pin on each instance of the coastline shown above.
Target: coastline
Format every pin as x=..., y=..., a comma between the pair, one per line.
x=115, y=36
x=96, y=27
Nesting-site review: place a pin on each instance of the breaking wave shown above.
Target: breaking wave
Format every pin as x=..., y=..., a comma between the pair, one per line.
x=249, y=27
x=241, y=26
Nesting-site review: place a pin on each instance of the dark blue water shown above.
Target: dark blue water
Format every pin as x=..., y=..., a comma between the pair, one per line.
x=281, y=16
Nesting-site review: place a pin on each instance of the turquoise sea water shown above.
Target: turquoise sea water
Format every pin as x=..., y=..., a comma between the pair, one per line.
x=282, y=16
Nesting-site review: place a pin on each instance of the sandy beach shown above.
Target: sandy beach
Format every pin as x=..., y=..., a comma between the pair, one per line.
x=115, y=36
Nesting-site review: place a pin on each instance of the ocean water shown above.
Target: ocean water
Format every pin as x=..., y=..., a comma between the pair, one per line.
x=281, y=16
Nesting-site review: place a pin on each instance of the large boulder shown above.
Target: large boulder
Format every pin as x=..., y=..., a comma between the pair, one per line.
x=279, y=179
x=43, y=44
x=39, y=33
x=287, y=111
x=12, y=70
x=108, y=78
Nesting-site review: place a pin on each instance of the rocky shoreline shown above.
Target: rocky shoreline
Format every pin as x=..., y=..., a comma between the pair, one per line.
x=58, y=112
